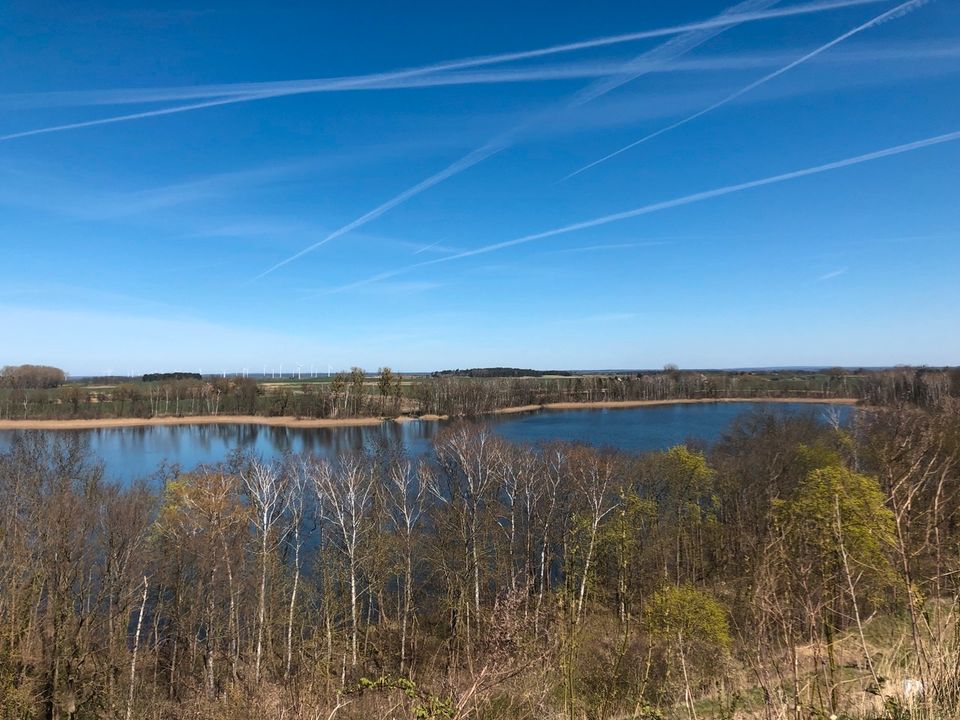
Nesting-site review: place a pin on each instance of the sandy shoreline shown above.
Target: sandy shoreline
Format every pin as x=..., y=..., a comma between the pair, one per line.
x=291, y=422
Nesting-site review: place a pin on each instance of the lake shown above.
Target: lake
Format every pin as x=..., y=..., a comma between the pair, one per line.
x=133, y=452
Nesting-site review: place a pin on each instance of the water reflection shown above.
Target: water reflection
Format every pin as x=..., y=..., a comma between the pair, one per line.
x=133, y=452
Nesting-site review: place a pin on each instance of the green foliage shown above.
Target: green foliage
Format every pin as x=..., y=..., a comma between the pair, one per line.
x=424, y=706
x=835, y=505
x=692, y=615
x=686, y=466
x=648, y=712
x=687, y=482
x=817, y=456
x=16, y=697
x=633, y=514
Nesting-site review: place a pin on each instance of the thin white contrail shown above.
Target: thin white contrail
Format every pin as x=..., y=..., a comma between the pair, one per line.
x=573, y=70
x=667, y=204
x=265, y=91
x=584, y=68
x=427, y=247
x=120, y=118
x=456, y=168
x=640, y=65
x=577, y=69
x=896, y=12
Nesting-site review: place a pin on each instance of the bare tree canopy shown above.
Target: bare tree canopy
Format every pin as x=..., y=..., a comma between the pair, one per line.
x=797, y=568
x=31, y=376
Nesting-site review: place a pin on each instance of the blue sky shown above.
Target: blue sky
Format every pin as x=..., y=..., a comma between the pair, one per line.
x=227, y=186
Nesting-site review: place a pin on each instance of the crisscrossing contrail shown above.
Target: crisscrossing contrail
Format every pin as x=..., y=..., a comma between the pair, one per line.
x=667, y=204
x=896, y=12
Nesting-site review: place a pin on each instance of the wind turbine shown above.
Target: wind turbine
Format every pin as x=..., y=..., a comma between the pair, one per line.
x=298, y=371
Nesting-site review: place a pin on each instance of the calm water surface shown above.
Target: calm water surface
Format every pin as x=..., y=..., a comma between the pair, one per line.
x=137, y=452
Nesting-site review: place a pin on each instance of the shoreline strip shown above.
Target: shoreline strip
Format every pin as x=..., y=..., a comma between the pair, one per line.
x=293, y=422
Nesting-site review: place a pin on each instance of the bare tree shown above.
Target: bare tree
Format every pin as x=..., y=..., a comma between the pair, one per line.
x=594, y=474
x=469, y=457
x=266, y=488
x=136, y=648
x=407, y=491
x=297, y=475
x=345, y=492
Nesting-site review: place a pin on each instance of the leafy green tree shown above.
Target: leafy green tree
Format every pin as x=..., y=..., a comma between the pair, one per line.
x=621, y=544
x=835, y=542
x=683, y=486
x=691, y=627
x=835, y=507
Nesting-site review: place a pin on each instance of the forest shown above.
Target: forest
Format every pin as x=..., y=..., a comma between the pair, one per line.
x=795, y=569
x=358, y=394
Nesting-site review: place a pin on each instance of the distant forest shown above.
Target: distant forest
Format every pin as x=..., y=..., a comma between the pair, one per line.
x=501, y=372
x=164, y=377
x=42, y=394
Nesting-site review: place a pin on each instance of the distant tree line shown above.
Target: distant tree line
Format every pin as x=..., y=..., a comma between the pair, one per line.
x=388, y=394
x=22, y=377
x=164, y=377
x=498, y=372
x=454, y=395
x=796, y=569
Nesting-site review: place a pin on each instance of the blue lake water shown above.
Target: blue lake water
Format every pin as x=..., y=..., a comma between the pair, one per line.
x=133, y=452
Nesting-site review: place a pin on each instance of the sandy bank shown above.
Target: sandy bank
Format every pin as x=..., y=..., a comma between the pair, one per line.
x=291, y=422
x=523, y=409
x=414, y=418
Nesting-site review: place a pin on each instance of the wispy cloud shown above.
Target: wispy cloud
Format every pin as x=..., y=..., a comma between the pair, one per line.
x=399, y=288
x=255, y=228
x=632, y=70
x=408, y=288
x=53, y=294
x=626, y=110
x=571, y=70
x=668, y=204
x=228, y=95
x=892, y=14
x=437, y=247
x=832, y=274
x=614, y=246
x=75, y=198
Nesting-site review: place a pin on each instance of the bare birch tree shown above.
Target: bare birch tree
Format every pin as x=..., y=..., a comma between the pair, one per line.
x=345, y=492
x=266, y=488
